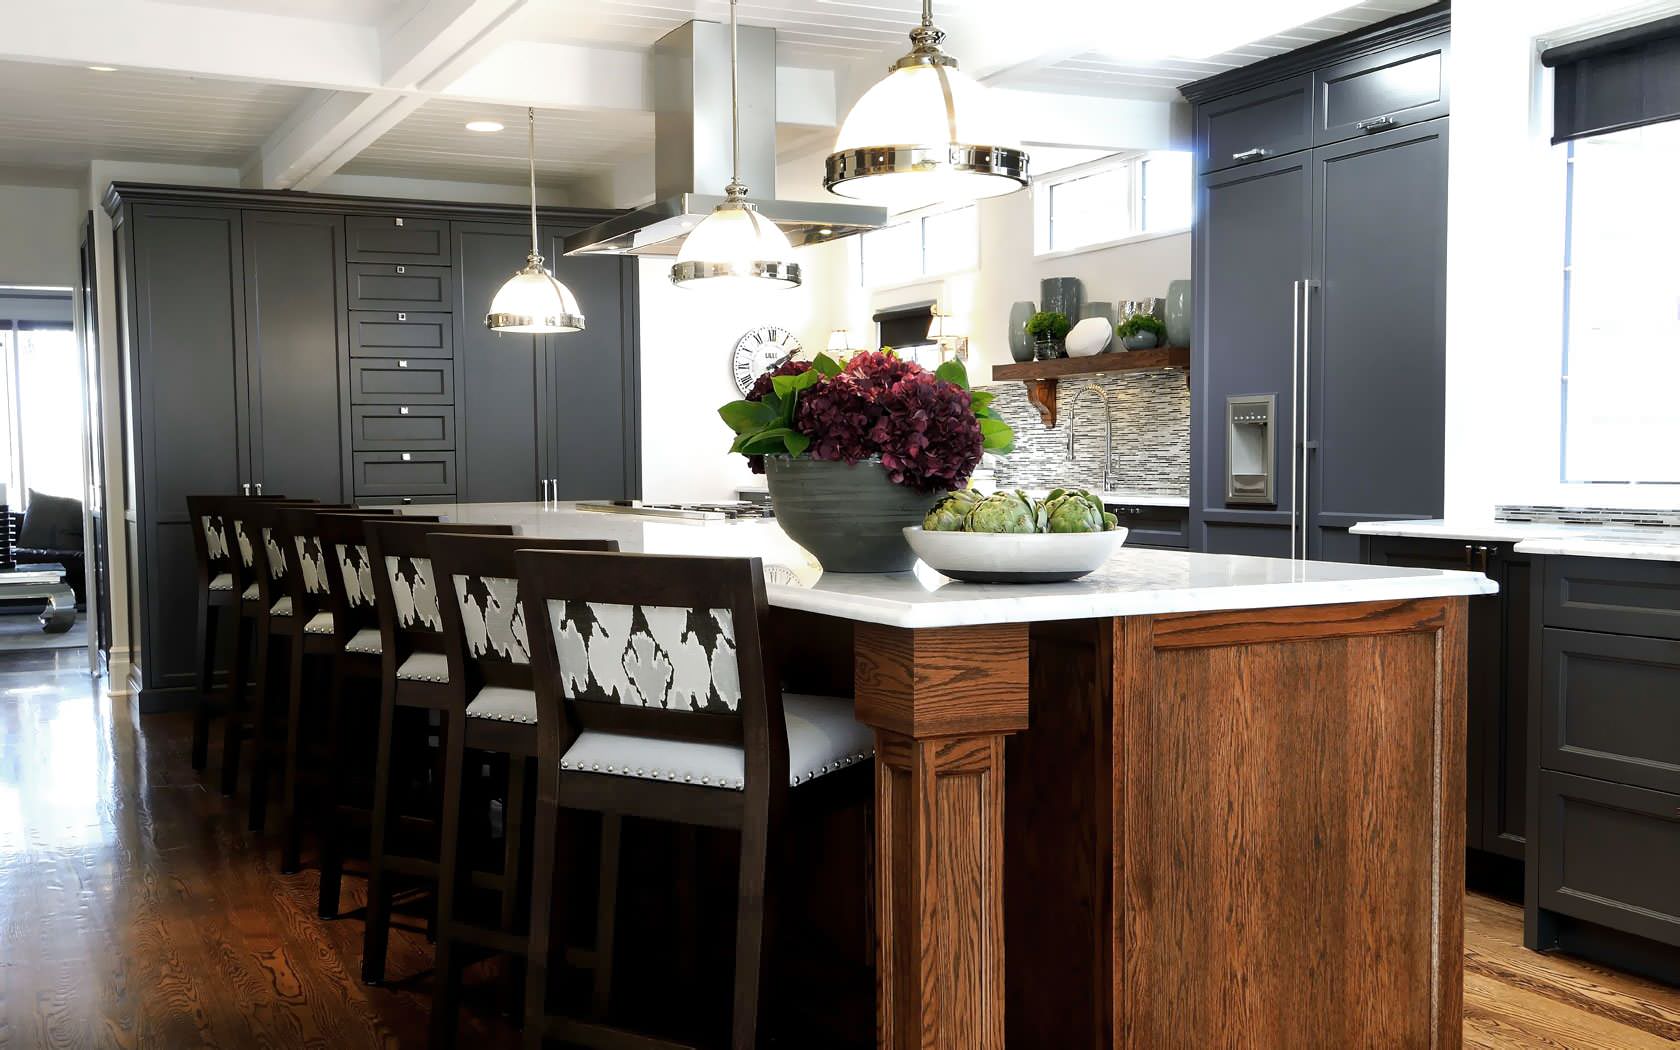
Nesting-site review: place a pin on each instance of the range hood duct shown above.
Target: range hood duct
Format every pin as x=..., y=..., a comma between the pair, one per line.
x=692, y=150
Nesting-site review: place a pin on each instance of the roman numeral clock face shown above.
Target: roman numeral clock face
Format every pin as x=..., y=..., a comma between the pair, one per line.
x=757, y=352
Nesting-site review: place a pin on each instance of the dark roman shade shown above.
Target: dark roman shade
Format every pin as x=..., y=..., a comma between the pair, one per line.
x=905, y=326
x=1615, y=81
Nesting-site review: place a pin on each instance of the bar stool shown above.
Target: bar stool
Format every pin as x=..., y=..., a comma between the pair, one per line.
x=655, y=700
x=276, y=619
x=414, y=677
x=309, y=631
x=494, y=711
x=357, y=662
x=216, y=602
x=243, y=544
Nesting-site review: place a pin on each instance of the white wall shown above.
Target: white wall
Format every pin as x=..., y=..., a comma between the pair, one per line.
x=40, y=227
x=1506, y=196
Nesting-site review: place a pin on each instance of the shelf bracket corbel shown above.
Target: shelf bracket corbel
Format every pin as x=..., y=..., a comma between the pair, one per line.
x=1042, y=394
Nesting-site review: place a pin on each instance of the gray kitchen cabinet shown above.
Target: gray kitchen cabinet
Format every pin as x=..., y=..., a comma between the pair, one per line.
x=401, y=381
x=295, y=352
x=398, y=238
x=1320, y=287
x=400, y=286
x=396, y=428
x=1255, y=125
x=398, y=333
x=1159, y=528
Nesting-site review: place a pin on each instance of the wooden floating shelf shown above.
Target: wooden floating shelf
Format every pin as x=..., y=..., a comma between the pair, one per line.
x=1041, y=376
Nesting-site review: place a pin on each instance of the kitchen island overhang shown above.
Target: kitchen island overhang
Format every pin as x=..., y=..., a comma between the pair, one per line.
x=1192, y=800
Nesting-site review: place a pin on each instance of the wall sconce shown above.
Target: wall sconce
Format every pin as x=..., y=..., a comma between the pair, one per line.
x=840, y=341
x=950, y=331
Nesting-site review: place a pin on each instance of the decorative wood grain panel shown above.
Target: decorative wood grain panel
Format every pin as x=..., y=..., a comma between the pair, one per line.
x=942, y=681
x=1298, y=623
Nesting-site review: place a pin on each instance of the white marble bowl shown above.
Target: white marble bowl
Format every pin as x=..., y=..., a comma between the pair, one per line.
x=991, y=557
x=1089, y=337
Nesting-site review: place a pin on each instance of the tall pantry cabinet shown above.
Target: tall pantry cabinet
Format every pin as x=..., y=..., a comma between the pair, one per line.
x=1318, y=371
x=333, y=348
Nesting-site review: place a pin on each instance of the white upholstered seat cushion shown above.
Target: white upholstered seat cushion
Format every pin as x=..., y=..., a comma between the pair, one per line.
x=823, y=736
x=504, y=704
x=320, y=623
x=425, y=667
x=366, y=640
x=222, y=582
x=283, y=607
x=250, y=593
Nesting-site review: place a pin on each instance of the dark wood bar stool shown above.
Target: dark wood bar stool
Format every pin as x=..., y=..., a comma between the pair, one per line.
x=244, y=542
x=310, y=632
x=494, y=712
x=414, y=679
x=655, y=700
x=276, y=619
x=354, y=701
x=217, y=600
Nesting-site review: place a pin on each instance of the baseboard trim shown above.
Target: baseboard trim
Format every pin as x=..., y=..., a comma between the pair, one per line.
x=156, y=701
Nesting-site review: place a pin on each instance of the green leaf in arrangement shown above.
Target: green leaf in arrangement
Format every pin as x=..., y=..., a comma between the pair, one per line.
x=953, y=371
x=769, y=442
x=981, y=401
x=997, y=435
x=797, y=444
x=822, y=364
x=743, y=416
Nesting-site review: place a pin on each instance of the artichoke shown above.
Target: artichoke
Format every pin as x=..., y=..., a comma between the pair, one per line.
x=1075, y=510
x=949, y=514
x=1011, y=512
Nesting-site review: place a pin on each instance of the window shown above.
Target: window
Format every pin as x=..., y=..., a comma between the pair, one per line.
x=1621, y=357
x=1123, y=196
x=921, y=247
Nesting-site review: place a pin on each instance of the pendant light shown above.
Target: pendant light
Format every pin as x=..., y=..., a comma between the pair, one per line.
x=735, y=246
x=532, y=300
x=926, y=133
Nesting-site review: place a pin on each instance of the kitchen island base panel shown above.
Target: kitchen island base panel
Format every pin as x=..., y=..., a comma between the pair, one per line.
x=1240, y=829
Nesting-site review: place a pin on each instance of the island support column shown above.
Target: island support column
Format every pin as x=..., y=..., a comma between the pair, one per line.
x=941, y=702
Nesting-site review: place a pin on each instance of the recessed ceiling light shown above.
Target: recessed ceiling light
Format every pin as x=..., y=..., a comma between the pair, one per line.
x=484, y=125
x=103, y=69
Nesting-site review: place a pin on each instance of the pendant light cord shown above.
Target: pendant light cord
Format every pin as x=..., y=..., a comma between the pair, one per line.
x=531, y=154
x=735, y=188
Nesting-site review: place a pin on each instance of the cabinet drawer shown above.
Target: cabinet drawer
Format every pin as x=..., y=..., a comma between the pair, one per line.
x=397, y=239
x=403, y=473
x=1611, y=707
x=1154, y=526
x=1617, y=596
x=400, y=333
x=398, y=428
x=1372, y=93
x=1274, y=119
x=1608, y=853
x=401, y=381
x=399, y=286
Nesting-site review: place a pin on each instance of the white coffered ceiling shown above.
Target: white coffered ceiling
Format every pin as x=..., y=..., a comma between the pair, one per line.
x=292, y=91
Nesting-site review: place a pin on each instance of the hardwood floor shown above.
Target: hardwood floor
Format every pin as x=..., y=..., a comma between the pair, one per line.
x=136, y=912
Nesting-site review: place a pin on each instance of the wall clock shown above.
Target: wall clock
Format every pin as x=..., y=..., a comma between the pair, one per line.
x=757, y=352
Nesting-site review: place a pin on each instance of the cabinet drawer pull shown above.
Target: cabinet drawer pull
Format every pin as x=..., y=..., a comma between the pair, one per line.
x=402, y=317
x=399, y=222
x=402, y=363
x=403, y=411
x=407, y=456
x=402, y=269
x=1382, y=123
x=1247, y=155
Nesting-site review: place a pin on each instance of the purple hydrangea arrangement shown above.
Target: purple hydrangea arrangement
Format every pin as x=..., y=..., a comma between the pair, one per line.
x=927, y=429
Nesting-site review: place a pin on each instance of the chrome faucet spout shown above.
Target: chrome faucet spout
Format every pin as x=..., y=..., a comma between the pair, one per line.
x=1108, y=430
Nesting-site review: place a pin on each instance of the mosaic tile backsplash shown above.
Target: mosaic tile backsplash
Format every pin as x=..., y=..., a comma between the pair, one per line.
x=1151, y=413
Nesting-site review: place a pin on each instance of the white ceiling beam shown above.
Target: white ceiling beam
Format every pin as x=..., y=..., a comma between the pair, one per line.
x=433, y=42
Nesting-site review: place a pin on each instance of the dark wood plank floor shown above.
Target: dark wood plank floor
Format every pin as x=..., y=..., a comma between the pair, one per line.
x=136, y=912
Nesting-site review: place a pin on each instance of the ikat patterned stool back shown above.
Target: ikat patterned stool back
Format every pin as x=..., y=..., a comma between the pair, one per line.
x=296, y=532
x=406, y=595
x=211, y=542
x=350, y=594
x=244, y=540
x=662, y=648
x=485, y=639
x=273, y=563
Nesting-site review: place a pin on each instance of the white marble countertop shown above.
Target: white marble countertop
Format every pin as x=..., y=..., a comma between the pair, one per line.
x=1120, y=497
x=1134, y=582
x=1645, y=543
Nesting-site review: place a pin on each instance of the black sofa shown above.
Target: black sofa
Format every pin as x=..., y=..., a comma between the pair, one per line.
x=51, y=532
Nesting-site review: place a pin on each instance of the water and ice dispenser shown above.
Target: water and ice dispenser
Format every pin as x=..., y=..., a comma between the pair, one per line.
x=1251, y=449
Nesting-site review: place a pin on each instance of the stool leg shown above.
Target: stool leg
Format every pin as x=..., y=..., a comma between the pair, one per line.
x=265, y=672
x=749, y=925
x=233, y=723
x=606, y=913
x=327, y=818
x=207, y=622
x=446, y=982
x=545, y=834
x=377, y=933
x=291, y=834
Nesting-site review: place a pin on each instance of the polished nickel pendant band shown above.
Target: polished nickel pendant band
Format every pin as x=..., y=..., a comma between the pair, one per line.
x=698, y=270
x=1000, y=161
x=498, y=322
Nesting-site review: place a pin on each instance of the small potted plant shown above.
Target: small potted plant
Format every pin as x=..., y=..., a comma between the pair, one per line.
x=854, y=452
x=1048, y=328
x=1141, y=332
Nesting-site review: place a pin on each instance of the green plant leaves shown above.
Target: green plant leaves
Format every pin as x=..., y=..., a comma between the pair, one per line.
x=742, y=416
x=826, y=365
x=996, y=435
x=953, y=371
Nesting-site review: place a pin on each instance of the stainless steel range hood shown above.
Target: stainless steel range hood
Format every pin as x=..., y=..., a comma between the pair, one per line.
x=692, y=150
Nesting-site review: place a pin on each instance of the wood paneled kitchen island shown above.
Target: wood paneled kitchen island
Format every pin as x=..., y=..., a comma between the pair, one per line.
x=1191, y=800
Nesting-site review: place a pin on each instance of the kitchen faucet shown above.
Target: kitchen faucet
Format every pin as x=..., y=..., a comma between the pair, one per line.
x=1108, y=431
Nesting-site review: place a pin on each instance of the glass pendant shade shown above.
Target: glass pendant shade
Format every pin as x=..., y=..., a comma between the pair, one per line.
x=928, y=132
x=736, y=246
x=533, y=301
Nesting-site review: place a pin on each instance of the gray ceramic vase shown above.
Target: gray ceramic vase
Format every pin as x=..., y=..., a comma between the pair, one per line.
x=1097, y=309
x=1178, y=313
x=1139, y=341
x=1062, y=295
x=851, y=518
x=1020, y=343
